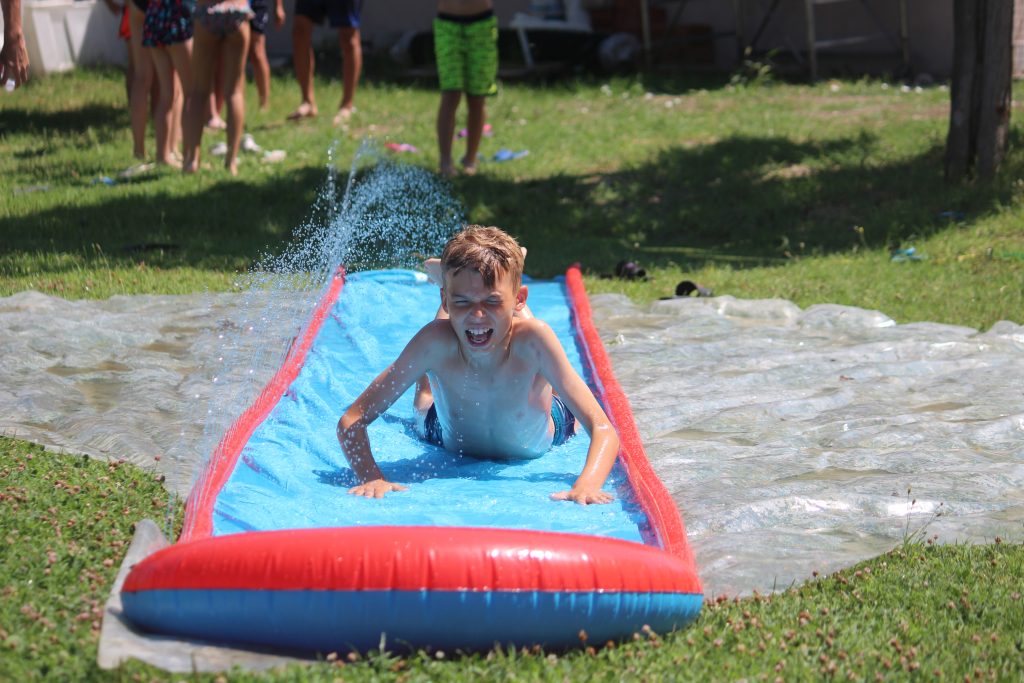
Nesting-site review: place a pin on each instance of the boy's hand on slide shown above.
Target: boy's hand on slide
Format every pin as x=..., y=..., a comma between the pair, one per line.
x=376, y=488
x=584, y=496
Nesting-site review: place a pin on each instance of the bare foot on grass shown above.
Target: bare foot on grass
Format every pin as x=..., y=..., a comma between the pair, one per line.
x=306, y=110
x=343, y=116
x=468, y=167
x=169, y=161
x=447, y=170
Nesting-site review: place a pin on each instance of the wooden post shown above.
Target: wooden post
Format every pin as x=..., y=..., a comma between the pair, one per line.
x=812, y=39
x=979, y=113
x=645, y=32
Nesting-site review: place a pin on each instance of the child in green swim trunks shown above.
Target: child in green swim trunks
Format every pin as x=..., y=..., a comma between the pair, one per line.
x=466, y=48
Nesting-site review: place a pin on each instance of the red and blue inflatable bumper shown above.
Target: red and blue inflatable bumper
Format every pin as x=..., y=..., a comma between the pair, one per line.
x=338, y=588
x=449, y=588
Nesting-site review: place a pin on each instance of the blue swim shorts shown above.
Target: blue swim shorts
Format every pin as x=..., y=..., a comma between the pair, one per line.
x=565, y=424
x=340, y=13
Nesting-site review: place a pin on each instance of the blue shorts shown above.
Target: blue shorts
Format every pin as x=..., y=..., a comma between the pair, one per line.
x=340, y=13
x=261, y=12
x=565, y=424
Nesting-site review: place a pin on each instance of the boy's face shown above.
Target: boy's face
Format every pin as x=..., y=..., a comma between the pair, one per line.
x=480, y=315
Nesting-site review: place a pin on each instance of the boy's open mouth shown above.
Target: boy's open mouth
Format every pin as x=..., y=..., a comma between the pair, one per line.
x=479, y=337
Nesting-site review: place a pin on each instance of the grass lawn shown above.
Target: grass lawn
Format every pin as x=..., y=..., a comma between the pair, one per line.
x=785, y=191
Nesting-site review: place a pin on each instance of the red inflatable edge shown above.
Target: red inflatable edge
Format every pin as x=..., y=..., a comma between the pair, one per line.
x=198, y=521
x=413, y=558
x=651, y=493
x=653, y=497
x=426, y=558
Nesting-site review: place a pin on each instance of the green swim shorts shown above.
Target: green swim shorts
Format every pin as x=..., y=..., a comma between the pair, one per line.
x=466, y=49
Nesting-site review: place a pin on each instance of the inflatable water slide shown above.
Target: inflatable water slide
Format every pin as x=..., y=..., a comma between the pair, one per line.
x=474, y=554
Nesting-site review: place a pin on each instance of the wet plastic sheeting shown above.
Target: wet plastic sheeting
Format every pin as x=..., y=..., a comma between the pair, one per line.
x=788, y=438
x=134, y=377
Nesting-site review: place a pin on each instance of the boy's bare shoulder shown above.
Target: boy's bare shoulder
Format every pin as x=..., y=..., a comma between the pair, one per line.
x=531, y=326
x=534, y=333
x=435, y=340
x=437, y=332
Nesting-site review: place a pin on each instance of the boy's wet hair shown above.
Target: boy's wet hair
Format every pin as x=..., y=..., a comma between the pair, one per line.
x=488, y=250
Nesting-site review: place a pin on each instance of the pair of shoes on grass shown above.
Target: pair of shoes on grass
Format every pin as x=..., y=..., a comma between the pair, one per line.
x=248, y=145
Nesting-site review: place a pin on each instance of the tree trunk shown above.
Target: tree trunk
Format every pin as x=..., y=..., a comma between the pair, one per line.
x=979, y=116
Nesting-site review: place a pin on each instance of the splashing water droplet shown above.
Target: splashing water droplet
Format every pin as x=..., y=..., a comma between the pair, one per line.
x=386, y=215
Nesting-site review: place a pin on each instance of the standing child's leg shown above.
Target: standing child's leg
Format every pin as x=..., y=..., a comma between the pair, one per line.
x=215, y=100
x=236, y=47
x=258, y=46
x=162, y=120
x=351, y=65
x=205, y=50
x=481, y=45
x=474, y=130
x=142, y=81
x=446, y=129
x=260, y=66
x=181, y=58
x=302, y=56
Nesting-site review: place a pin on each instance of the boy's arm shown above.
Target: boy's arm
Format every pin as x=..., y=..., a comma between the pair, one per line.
x=604, y=442
x=411, y=364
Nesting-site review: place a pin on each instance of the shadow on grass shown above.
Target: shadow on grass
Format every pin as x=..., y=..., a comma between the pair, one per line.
x=742, y=201
x=78, y=120
x=226, y=226
x=746, y=201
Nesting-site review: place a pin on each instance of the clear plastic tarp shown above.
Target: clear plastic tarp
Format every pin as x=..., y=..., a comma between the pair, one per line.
x=792, y=440
x=789, y=438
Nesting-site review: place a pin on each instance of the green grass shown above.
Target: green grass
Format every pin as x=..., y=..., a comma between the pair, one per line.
x=756, y=192
x=65, y=525
x=785, y=191
x=922, y=610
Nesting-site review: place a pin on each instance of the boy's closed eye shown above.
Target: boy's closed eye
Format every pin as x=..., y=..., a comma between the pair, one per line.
x=493, y=301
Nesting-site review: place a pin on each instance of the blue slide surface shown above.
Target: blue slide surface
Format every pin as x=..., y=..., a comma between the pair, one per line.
x=292, y=473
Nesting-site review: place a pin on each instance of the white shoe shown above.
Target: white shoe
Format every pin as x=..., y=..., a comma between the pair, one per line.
x=220, y=149
x=249, y=144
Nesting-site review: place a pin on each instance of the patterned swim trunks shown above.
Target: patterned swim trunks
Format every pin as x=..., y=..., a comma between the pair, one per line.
x=222, y=18
x=167, y=22
x=466, y=49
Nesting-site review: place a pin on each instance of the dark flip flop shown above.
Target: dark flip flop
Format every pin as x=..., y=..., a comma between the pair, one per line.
x=629, y=270
x=687, y=289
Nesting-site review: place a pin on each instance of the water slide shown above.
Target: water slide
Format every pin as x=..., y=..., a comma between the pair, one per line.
x=274, y=553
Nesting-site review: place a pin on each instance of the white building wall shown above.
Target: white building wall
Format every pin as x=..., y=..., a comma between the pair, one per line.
x=61, y=33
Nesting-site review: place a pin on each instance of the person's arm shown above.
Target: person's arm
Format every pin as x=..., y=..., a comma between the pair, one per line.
x=278, y=13
x=604, y=442
x=413, y=362
x=13, y=56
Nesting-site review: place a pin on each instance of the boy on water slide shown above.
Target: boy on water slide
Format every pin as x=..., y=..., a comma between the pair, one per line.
x=491, y=380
